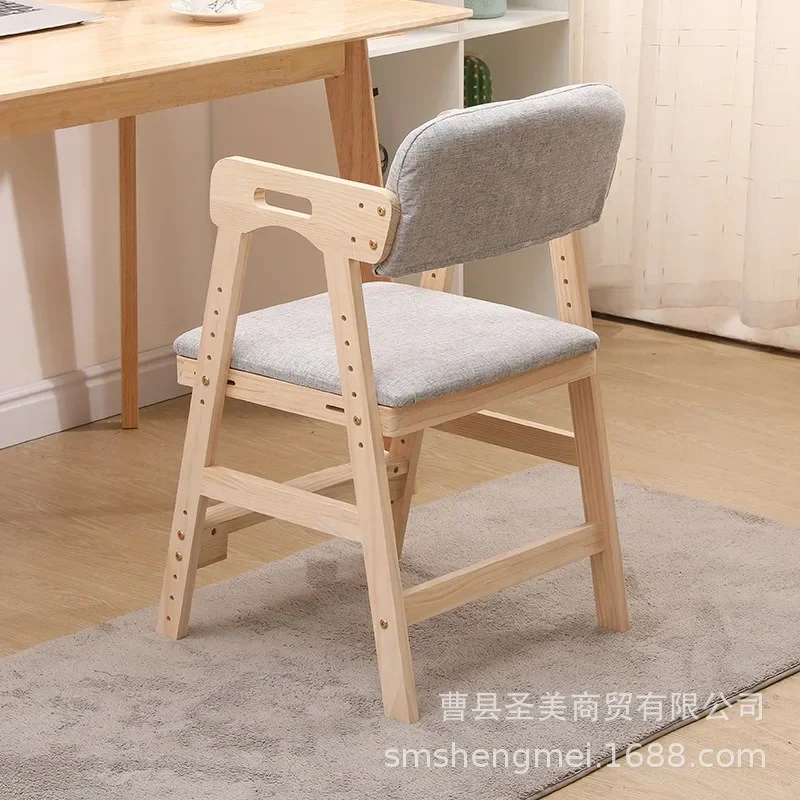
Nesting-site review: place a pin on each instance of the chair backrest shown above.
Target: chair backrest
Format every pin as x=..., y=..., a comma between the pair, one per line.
x=491, y=179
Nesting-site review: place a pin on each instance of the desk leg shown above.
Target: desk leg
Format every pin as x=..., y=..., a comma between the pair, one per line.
x=355, y=133
x=129, y=314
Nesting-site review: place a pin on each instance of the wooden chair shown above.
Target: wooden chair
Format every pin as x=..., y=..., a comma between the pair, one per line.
x=544, y=174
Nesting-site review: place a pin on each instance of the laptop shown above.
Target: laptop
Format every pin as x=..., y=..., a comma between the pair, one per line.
x=19, y=16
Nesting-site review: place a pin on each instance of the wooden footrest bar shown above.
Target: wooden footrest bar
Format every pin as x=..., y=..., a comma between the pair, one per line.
x=226, y=517
x=517, y=434
x=500, y=572
x=282, y=501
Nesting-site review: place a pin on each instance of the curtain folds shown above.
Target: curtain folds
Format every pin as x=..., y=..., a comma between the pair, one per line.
x=702, y=228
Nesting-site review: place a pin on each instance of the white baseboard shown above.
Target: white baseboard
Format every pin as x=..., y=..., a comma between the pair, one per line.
x=82, y=396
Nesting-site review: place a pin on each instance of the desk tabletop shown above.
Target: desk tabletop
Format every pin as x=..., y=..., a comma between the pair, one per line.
x=137, y=38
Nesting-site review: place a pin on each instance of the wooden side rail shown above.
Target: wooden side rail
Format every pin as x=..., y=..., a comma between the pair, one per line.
x=272, y=393
x=280, y=500
x=516, y=434
x=500, y=572
x=225, y=518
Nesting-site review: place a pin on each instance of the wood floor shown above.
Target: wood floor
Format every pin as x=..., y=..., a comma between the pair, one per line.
x=85, y=514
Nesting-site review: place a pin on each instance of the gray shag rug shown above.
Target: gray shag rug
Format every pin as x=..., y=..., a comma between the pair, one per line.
x=275, y=691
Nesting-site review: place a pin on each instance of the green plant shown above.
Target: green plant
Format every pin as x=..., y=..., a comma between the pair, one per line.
x=477, y=82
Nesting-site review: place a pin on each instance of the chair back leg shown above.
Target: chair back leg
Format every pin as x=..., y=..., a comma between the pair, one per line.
x=371, y=489
x=205, y=415
x=407, y=447
x=598, y=502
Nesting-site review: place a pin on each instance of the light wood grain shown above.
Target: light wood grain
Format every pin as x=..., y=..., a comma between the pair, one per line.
x=272, y=499
x=141, y=57
x=205, y=416
x=709, y=419
x=402, y=420
x=354, y=219
x=355, y=131
x=409, y=448
x=440, y=280
x=365, y=443
x=224, y=518
x=273, y=393
x=570, y=282
x=128, y=267
x=500, y=572
x=588, y=422
x=517, y=434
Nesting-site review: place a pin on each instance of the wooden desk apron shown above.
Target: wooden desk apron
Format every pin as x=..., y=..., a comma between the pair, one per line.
x=141, y=57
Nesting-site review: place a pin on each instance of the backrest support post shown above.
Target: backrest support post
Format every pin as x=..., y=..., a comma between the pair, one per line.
x=571, y=284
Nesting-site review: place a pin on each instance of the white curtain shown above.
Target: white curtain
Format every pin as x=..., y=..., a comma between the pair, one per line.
x=702, y=229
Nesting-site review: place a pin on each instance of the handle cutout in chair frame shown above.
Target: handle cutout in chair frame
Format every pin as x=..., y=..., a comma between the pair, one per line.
x=292, y=205
x=355, y=220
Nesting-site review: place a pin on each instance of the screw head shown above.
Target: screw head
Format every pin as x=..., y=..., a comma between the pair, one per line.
x=384, y=624
x=205, y=380
x=357, y=419
x=181, y=535
x=178, y=556
x=381, y=211
x=373, y=245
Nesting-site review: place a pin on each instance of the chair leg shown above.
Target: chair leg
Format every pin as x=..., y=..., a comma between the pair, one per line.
x=407, y=447
x=598, y=502
x=185, y=540
x=387, y=606
x=202, y=430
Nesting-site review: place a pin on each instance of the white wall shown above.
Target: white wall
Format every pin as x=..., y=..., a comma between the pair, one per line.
x=60, y=266
x=59, y=244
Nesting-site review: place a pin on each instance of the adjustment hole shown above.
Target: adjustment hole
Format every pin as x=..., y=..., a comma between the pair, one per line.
x=175, y=576
x=396, y=470
x=350, y=368
x=202, y=402
x=219, y=288
x=172, y=597
x=213, y=335
x=213, y=531
x=344, y=318
x=433, y=274
x=565, y=280
x=169, y=619
x=346, y=343
x=402, y=441
x=208, y=357
x=185, y=512
x=353, y=239
x=563, y=258
x=569, y=305
x=353, y=394
x=361, y=444
x=361, y=205
x=216, y=313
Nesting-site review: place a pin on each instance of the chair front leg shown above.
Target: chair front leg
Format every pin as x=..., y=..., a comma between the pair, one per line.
x=371, y=489
x=205, y=415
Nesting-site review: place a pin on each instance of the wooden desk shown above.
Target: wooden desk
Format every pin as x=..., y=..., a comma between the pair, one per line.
x=140, y=58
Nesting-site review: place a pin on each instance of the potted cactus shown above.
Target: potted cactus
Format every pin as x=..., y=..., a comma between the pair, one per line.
x=477, y=82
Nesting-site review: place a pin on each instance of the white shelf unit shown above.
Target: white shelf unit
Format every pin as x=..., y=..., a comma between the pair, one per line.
x=418, y=75
x=515, y=19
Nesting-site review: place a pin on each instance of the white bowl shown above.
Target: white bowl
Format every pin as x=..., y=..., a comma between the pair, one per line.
x=227, y=12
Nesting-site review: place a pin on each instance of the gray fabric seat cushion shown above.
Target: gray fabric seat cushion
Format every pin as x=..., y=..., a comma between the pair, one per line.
x=424, y=343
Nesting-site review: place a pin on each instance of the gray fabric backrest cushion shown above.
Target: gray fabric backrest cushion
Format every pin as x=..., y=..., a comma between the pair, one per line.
x=491, y=179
